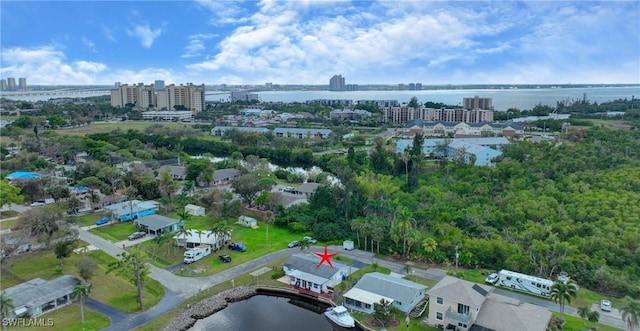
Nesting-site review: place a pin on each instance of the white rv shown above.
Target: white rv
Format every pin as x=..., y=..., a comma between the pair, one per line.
x=524, y=283
x=196, y=253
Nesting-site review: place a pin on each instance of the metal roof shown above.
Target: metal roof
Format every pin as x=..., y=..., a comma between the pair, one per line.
x=156, y=222
x=308, y=263
x=37, y=292
x=388, y=286
x=365, y=296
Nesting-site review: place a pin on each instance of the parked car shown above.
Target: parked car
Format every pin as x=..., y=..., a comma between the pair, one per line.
x=224, y=257
x=310, y=240
x=102, y=221
x=293, y=244
x=237, y=247
x=137, y=235
x=492, y=279
x=605, y=305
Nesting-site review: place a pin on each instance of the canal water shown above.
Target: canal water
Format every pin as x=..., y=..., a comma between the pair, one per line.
x=267, y=313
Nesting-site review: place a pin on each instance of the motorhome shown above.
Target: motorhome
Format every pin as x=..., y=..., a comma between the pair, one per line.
x=524, y=283
x=195, y=254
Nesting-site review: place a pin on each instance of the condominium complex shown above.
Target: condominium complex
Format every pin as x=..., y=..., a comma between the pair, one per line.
x=337, y=83
x=401, y=115
x=10, y=84
x=189, y=97
x=477, y=103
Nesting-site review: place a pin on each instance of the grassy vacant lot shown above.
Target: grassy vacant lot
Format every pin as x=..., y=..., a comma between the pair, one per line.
x=68, y=318
x=108, y=127
x=88, y=219
x=107, y=288
x=255, y=240
x=115, y=231
x=9, y=224
x=578, y=324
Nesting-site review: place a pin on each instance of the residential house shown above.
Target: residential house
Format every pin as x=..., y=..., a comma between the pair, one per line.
x=306, y=189
x=194, y=210
x=302, y=133
x=131, y=210
x=219, y=131
x=157, y=224
x=223, y=176
x=460, y=305
x=463, y=129
x=176, y=172
x=305, y=273
x=455, y=303
x=38, y=296
x=194, y=238
x=373, y=287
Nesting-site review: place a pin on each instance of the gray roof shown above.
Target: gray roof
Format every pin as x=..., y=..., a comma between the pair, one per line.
x=173, y=170
x=37, y=292
x=239, y=128
x=125, y=208
x=156, y=222
x=457, y=290
x=309, y=263
x=302, y=131
x=500, y=313
x=393, y=287
x=225, y=173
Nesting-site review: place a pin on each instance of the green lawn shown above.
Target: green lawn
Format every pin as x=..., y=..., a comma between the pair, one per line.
x=578, y=324
x=255, y=240
x=9, y=224
x=116, y=231
x=107, y=288
x=68, y=318
x=88, y=219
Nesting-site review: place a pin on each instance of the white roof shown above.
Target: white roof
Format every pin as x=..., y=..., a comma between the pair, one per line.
x=365, y=296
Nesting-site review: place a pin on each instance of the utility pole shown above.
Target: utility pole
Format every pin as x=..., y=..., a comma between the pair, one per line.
x=457, y=256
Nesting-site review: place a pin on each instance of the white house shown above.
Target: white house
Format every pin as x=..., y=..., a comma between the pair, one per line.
x=194, y=238
x=194, y=210
x=247, y=221
x=38, y=296
x=372, y=287
x=305, y=273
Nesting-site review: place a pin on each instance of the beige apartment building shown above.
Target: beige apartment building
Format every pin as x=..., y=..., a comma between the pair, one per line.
x=192, y=97
x=402, y=115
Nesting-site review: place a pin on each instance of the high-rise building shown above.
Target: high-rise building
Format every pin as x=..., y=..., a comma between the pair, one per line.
x=11, y=84
x=22, y=83
x=418, y=86
x=191, y=97
x=477, y=103
x=159, y=85
x=3, y=84
x=337, y=83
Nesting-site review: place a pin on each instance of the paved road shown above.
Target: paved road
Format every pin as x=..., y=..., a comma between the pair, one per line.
x=179, y=288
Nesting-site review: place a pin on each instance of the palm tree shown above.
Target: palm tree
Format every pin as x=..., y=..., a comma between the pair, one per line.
x=184, y=232
x=268, y=220
x=6, y=307
x=199, y=233
x=304, y=244
x=562, y=292
x=184, y=216
x=80, y=292
x=631, y=312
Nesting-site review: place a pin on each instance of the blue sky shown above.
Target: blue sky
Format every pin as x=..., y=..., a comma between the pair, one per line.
x=306, y=42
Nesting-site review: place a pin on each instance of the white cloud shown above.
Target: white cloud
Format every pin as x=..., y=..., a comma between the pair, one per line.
x=145, y=34
x=196, y=44
x=48, y=65
x=89, y=44
x=225, y=12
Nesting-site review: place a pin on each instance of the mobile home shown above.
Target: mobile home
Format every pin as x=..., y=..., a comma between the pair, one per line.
x=525, y=283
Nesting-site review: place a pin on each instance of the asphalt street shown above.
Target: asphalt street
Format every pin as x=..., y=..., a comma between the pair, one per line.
x=179, y=288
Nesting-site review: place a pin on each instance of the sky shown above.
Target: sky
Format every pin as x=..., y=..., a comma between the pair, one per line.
x=307, y=42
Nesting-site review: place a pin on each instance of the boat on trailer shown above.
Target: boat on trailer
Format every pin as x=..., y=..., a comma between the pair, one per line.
x=340, y=316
